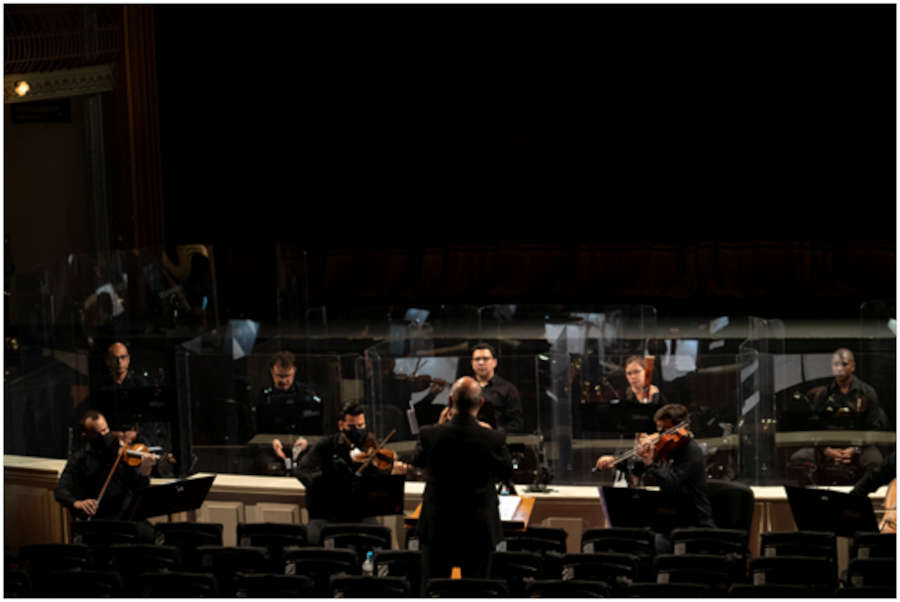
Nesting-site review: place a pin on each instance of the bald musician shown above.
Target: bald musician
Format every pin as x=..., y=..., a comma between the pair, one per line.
x=460, y=519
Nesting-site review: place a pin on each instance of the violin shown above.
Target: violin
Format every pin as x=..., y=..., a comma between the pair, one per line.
x=136, y=452
x=664, y=443
x=134, y=455
x=376, y=454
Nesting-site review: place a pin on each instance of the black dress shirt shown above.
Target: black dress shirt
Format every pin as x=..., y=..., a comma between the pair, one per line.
x=857, y=408
x=83, y=478
x=683, y=477
x=502, y=406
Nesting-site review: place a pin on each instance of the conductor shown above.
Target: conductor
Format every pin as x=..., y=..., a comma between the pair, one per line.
x=460, y=518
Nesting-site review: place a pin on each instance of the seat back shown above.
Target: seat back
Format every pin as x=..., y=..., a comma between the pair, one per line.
x=887, y=591
x=623, y=540
x=104, y=532
x=707, y=569
x=874, y=545
x=358, y=586
x=466, y=588
x=516, y=568
x=872, y=572
x=616, y=570
x=320, y=564
x=272, y=585
x=401, y=563
x=732, y=504
x=189, y=535
x=178, y=584
x=132, y=559
x=568, y=588
x=771, y=590
x=83, y=584
x=245, y=531
x=360, y=537
x=816, y=571
x=799, y=543
x=226, y=561
x=668, y=590
x=16, y=584
x=38, y=559
x=731, y=544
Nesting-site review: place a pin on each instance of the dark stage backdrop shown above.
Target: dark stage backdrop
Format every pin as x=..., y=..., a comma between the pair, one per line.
x=554, y=129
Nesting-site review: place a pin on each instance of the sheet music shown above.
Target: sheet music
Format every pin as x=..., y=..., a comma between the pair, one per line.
x=508, y=506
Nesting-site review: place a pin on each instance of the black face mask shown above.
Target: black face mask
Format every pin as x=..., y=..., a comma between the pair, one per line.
x=104, y=443
x=356, y=435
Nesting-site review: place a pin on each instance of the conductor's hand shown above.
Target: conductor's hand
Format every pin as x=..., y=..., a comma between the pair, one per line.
x=278, y=448
x=88, y=506
x=147, y=463
x=604, y=462
x=399, y=467
x=446, y=415
x=302, y=444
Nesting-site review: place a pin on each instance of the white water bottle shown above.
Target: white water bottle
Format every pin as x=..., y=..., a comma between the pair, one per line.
x=368, y=566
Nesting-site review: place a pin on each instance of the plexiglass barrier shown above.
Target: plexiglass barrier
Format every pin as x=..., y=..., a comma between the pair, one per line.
x=761, y=392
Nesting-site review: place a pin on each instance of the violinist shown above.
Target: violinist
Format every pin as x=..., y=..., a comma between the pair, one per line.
x=639, y=389
x=329, y=471
x=87, y=470
x=677, y=464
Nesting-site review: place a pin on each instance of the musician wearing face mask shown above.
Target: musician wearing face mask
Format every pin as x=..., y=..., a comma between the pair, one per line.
x=328, y=471
x=86, y=472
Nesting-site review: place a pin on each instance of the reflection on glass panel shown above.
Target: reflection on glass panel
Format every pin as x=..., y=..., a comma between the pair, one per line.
x=766, y=405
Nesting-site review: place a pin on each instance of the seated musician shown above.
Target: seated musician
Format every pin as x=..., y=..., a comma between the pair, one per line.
x=680, y=474
x=328, y=471
x=639, y=391
x=81, y=485
x=847, y=403
x=303, y=406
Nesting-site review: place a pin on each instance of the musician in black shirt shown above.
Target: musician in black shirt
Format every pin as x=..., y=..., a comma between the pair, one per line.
x=681, y=475
x=502, y=407
x=847, y=403
x=86, y=472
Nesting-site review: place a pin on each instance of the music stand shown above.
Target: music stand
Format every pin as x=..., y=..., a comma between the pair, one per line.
x=171, y=498
x=625, y=507
x=826, y=510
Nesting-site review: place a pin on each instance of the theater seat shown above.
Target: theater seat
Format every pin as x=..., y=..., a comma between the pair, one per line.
x=466, y=588
x=272, y=585
x=178, y=585
x=568, y=588
x=358, y=586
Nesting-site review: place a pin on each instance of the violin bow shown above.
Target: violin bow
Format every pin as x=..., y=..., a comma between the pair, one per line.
x=109, y=477
x=634, y=450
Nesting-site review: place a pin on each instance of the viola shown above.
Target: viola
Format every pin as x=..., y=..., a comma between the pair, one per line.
x=648, y=377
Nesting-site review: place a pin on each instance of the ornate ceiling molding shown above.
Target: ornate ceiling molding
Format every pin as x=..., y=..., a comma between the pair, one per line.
x=60, y=84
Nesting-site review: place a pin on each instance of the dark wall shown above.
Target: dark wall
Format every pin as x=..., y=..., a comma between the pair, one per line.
x=374, y=127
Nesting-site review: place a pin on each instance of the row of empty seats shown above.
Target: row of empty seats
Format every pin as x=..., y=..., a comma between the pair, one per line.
x=275, y=559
